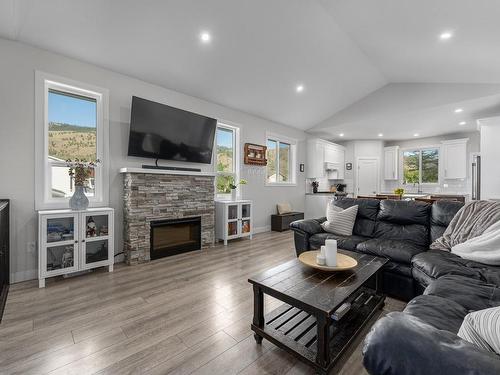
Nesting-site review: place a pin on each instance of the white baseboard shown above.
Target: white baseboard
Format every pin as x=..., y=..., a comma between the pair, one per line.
x=17, y=277
x=267, y=228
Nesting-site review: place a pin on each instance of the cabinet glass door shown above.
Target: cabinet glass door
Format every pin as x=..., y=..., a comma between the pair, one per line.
x=60, y=229
x=95, y=232
x=61, y=259
x=59, y=245
x=245, y=210
x=232, y=212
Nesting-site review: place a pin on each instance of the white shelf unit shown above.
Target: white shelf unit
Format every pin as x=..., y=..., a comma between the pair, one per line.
x=233, y=219
x=64, y=246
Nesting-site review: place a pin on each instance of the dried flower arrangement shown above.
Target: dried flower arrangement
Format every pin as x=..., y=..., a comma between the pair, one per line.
x=81, y=170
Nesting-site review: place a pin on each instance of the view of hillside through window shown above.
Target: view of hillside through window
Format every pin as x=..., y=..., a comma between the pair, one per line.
x=72, y=127
x=278, y=161
x=225, y=159
x=72, y=134
x=421, y=166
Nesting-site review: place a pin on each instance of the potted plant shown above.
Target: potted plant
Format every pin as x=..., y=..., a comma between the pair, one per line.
x=233, y=185
x=315, y=185
x=399, y=191
x=80, y=171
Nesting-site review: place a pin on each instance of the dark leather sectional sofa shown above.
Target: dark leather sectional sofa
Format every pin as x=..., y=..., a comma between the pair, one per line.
x=442, y=287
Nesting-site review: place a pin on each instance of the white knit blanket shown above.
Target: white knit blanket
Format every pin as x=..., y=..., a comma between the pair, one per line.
x=483, y=249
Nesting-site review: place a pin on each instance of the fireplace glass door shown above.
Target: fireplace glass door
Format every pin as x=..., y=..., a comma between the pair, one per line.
x=170, y=237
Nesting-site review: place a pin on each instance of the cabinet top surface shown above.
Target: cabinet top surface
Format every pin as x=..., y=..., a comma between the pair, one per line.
x=232, y=202
x=69, y=211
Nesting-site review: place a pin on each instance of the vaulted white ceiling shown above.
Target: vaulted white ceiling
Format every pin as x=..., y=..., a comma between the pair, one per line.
x=342, y=51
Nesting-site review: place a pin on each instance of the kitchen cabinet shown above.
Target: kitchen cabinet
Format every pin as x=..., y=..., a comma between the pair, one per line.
x=454, y=157
x=325, y=160
x=391, y=163
x=71, y=241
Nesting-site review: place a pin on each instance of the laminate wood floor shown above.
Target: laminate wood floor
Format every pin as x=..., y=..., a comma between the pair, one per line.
x=187, y=314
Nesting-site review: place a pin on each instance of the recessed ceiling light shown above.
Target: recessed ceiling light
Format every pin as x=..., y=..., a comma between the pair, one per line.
x=458, y=110
x=299, y=88
x=380, y=135
x=462, y=123
x=446, y=35
x=205, y=37
x=341, y=134
x=416, y=135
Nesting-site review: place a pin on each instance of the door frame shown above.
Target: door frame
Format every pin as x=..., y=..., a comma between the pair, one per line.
x=358, y=159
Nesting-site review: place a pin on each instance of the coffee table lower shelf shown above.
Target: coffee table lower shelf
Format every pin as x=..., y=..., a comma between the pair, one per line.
x=296, y=331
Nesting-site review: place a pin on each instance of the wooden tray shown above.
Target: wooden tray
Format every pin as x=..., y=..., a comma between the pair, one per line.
x=344, y=262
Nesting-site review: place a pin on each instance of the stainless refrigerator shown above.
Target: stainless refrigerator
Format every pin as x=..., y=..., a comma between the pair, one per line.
x=476, y=177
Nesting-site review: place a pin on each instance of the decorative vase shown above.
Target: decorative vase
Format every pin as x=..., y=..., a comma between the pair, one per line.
x=233, y=194
x=79, y=200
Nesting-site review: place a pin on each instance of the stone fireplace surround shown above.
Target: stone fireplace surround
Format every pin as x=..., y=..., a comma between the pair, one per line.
x=151, y=195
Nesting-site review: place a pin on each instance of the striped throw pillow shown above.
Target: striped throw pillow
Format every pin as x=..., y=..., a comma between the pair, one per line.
x=482, y=328
x=339, y=221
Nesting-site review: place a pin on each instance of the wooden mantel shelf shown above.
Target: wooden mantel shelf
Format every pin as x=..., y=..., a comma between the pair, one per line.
x=166, y=171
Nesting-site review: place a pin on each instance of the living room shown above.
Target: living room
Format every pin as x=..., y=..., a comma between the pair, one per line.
x=171, y=171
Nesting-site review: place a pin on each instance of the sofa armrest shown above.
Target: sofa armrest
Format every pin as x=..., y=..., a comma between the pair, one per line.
x=402, y=344
x=303, y=229
x=309, y=226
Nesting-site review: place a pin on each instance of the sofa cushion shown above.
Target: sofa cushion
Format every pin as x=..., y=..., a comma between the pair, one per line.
x=439, y=312
x=405, y=221
x=340, y=221
x=470, y=293
x=343, y=242
x=367, y=214
x=482, y=328
x=433, y=264
x=396, y=250
x=441, y=214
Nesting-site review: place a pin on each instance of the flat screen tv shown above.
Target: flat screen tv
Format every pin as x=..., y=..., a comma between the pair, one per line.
x=159, y=131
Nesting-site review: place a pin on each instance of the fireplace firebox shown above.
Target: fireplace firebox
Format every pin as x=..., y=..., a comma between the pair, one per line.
x=174, y=236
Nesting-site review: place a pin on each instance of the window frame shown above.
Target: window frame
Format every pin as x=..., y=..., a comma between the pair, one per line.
x=236, y=159
x=419, y=150
x=292, y=160
x=43, y=172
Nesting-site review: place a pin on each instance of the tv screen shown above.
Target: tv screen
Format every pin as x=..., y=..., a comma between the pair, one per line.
x=162, y=132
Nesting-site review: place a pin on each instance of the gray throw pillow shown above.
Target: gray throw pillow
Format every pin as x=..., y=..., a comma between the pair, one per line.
x=482, y=328
x=339, y=221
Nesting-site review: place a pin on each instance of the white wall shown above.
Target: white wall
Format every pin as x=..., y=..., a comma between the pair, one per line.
x=445, y=186
x=17, y=71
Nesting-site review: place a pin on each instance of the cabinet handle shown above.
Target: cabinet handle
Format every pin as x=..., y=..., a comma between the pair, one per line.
x=83, y=240
x=76, y=241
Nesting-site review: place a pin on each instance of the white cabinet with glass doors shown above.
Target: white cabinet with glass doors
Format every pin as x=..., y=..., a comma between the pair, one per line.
x=71, y=241
x=233, y=219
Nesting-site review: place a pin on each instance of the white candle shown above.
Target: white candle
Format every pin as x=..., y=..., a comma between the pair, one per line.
x=320, y=259
x=331, y=253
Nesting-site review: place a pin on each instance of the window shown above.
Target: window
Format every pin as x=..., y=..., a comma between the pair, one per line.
x=421, y=166
x=280, y=160
x=69, y=125
x=227, y=158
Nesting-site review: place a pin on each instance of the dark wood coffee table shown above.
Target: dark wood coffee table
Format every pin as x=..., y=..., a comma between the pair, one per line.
x=303, y=325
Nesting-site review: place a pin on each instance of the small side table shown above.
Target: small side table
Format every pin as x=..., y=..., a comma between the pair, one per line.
x=280, y=223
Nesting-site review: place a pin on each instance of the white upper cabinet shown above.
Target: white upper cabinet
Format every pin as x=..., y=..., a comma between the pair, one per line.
x=315, y=159
x=455, y=159
x=325, y=159
x=391, y=163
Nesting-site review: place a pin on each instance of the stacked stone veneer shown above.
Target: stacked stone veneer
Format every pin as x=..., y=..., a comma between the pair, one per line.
x=149, y=197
